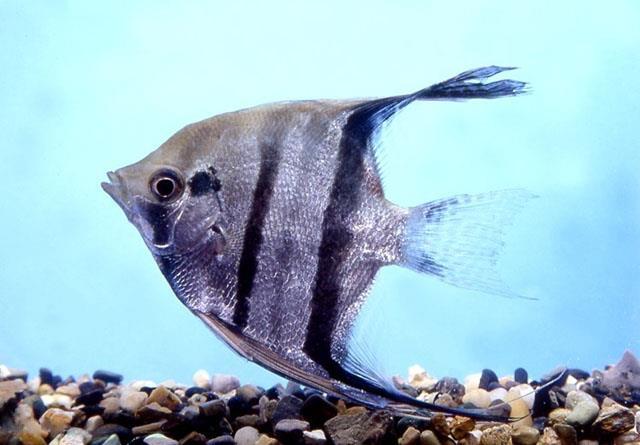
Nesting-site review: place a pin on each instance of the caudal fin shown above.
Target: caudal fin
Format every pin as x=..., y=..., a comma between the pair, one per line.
x=459, y=239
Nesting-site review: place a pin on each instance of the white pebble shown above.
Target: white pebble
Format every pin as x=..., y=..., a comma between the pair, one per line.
x=139, y=384
x=57, y=400
x=498, y=394
x=472, y=381
x=314, y=437
x=478, y=397
x=131, y=400
x=75, y=436
x=223, y=383
x=4, y=372
x=159, y=439
x=201, y=378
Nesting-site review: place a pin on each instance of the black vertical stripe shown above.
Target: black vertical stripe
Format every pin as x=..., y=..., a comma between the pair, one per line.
x=336, y=239
x=253, y=237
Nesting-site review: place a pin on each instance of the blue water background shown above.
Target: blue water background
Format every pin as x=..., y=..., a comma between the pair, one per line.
x=87, y=87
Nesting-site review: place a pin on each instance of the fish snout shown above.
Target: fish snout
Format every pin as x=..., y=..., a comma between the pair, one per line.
x=116, y=189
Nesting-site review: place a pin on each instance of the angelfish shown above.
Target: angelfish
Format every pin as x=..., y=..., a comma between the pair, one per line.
x=271, y=223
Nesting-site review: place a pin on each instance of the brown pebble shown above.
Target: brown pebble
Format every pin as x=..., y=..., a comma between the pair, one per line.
x=266, y=440
x=558, y=415
x=469, y=439
x=549, y=437
x=153, y=411
x=164, y=397
x=193, y=438
x=496, y=435
x=614, y=419
x=460, y=426
x=566, y=433
x=248, y=420
x=93, y=423
x=428, y=437
x=525, y=435
x=630, y=438
x=355, y=410
x=148, y=428
x=440, y=425
x=111, y=406
x=29, y=438
x=342, y=407
x=520, y=411
x=411, y=436
x=56, y=420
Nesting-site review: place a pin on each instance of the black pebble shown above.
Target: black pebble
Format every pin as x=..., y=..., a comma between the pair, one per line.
x=222, y=440
x=106, y=430
x=494, y=385
x=46, y=376
x=214, y=409
x=520, y=375
x=275, y=392
x=194, y=390
x=487, y=378
x=418, y=423
x=238, y=406
x=92, y=410
x=579, y=374
x=38, y=407
x=147, y=389
x=90, y=398
x=499, y=408
x=107, y=377
x=287, y=408
x=87, y=387
x=317, y=410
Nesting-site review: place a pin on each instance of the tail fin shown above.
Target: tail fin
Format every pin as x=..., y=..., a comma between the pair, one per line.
x=459, y=239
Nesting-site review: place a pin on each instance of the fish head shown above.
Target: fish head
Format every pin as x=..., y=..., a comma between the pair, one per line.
x=172, y=198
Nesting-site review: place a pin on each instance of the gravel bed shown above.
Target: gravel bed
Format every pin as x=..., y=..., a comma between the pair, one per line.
x=602, y=406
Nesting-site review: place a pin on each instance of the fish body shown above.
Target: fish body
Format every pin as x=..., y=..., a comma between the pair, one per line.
x=271, y=223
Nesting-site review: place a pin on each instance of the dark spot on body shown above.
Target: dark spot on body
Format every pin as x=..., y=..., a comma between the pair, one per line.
x=204, y=181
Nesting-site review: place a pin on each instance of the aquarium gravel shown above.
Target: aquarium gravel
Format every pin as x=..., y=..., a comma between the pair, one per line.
x=602, y=406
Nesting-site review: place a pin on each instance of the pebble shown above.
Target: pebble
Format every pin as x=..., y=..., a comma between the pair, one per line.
x=583, y=413
x=56, y=420
x=247, y=435
x=266, y=440
x=487, y=378
x=249, y=393
x=420, y=379
x=29, y=438
x=223, y=383
x=558, y=415
x=9, y=389
x=290, y=430
x=93, y=423
x=201, y=379
x=496, y=435
x=614, y=419
x=525, y=435
x=111, y=405
x=108, y=377
x=428, y=437
x=460, y=426
x=288, y=407
x=57, y=401
x=472, y=381
x=410, y=437
x=566, y=433
x=498, y=394
x=112, y=440
x=520, y=411
x=159, y=439
x=549, y=437
x=75, y=436
x=359, y=428
x=153, y=411
x=222, y=440
x=71, y=389
x=314, y=437
x=317, y=410
x=477, y=397
x=214, y=408
x=164, y=397
x=520, y=375
x=148, y=428
x=132, y=401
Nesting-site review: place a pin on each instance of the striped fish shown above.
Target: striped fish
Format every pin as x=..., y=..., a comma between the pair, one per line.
x=271, y=223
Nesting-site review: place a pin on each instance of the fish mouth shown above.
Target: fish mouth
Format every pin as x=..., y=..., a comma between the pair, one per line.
x=115, y=189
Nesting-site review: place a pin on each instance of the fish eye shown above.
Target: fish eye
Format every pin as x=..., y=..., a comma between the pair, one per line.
x=166, y=184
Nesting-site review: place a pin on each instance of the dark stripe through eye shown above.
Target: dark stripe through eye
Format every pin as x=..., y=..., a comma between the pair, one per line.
x=253, y=237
